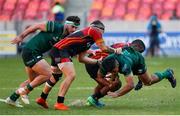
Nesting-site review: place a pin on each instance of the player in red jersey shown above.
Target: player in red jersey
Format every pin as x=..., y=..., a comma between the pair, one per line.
x=76, y=43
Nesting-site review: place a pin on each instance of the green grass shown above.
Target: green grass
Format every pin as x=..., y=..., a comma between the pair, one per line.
x=159, y=99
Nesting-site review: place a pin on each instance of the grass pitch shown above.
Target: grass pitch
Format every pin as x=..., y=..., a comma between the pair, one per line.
x=159, y=99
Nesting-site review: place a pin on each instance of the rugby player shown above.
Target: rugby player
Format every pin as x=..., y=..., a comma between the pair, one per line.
x=130, y=63
x=101, y=90
x=37, y=68
x=74, y=44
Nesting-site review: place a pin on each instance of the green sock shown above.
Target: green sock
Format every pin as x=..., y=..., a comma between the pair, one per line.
x=29, y=87
x=14, y=96
x=162, y=75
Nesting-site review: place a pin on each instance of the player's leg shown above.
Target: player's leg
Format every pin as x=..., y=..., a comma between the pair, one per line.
x=158, y=76
x=44, y=73
x=93, y=99
x=57, y=74
x=15, y=95
x=69, y=72
x=23, y=84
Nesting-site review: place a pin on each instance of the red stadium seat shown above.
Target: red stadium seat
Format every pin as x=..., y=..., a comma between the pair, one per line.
x=97, y=4
x=23, y=1
x=157, y=8
x=132, y=6
x=119, y=11
x=144, y=11
x=169, y=5
x=1, y=4
x=130, y=17
x=93, y=14
x=167, y=15
x=9, y=5
x=44, y=5
x=148, y=1
x=108, y=9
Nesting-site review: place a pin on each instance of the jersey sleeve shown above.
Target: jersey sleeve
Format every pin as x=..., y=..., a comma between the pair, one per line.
x=52, y=26
x=96, y=35
x=126, y=69
x=141, y=68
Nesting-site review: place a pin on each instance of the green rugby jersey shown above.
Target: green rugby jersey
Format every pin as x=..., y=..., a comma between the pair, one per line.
x=43, y=41
x=130, y=61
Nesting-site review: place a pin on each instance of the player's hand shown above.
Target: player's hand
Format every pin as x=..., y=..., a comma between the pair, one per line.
x=112, y=94
x=118, y=50
x=17, y=40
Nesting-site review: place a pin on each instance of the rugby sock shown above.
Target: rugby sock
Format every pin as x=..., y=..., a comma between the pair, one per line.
x=14, y=96
x=162, y=75
x=60, y=99
x=57, y=76
x=29, y=87
x=97, y=96
x=44, y=96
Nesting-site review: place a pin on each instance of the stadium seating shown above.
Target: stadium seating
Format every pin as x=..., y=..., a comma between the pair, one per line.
x=26, y=9
x=133, y=9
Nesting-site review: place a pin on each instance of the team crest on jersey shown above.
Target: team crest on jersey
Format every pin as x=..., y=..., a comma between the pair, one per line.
x=55, y=38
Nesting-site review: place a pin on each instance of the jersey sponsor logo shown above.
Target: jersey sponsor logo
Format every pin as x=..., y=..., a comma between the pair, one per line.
x=38, y=57
x=30, y=61
x=140, y=70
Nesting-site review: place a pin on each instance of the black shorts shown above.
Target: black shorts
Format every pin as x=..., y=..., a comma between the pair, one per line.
x=30, y=57
x=58, y=56
x=92, y=70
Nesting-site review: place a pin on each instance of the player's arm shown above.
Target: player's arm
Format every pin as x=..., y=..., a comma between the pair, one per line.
x=105, y=48
x=101, y=79
x=31, y=29
x=127, y=88
x=83, y=58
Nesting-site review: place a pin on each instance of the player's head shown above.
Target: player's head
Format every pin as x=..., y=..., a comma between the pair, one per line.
x=98, y=24
x=72, y=23
x=138, y=45
x=110, y=64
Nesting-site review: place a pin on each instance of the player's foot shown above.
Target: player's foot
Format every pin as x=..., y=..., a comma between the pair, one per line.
x=138, y=86
x=60, y=106
x=22, y=91
x=93, y=102
x=25, y=99
x=13, y=103
x=171, y=78
x=42, y=102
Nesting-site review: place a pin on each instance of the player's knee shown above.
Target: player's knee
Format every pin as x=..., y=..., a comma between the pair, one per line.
x=49, y=83
x=72, y=75
x=57, y=77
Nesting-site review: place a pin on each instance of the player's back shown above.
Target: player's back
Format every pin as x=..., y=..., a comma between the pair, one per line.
x=77, y=42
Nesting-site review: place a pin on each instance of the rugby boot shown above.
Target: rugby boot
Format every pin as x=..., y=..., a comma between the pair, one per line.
x=138, y=86
x=60, y=106
x=171, y=77
x=42, y=102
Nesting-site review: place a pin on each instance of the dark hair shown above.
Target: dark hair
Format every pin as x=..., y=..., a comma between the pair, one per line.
x=138, y=45
x=108, y=64
x=98, y=24
x=74, y=19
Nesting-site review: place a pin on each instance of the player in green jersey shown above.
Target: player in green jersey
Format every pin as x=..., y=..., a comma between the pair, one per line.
x=37, y=68
x=129, y=63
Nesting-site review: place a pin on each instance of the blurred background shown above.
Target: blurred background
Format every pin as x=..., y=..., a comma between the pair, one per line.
x=125, y=20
